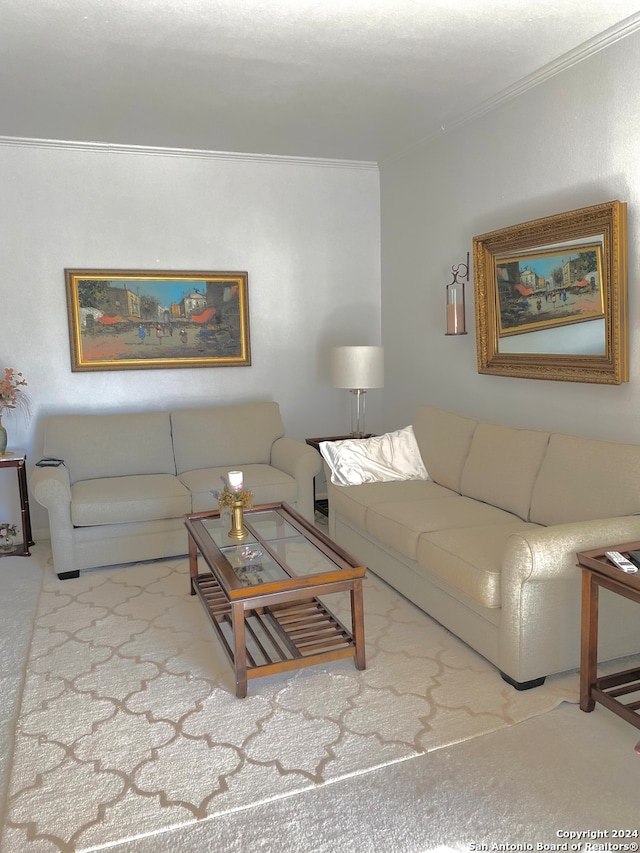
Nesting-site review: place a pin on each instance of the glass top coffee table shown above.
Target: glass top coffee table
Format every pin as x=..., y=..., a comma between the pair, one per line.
x=262, y=594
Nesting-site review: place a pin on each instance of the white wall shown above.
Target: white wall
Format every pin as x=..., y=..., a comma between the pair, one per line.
x=306, y=231
x=570, y=142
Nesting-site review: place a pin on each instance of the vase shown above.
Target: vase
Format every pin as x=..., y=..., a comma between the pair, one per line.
x=3, y=437
x=6, y=544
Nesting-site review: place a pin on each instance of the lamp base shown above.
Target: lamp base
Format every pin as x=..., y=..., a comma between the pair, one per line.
x=358, y=412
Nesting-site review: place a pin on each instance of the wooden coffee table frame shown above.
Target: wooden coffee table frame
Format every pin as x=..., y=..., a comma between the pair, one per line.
x=281, y=625
x=598, y=572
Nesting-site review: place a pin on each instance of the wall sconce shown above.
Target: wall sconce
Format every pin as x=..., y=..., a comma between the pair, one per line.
x=455, y=300
x=357, y=368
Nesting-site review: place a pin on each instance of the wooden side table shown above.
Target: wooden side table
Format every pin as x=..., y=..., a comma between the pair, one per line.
x=18, y=459
x=322, y=505
x=598, y=572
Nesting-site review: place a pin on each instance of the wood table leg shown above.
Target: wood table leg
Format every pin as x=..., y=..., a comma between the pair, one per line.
x=588, y=641
x=27, y=536
x=239, y=648
x=193, y=562
x=357, y=623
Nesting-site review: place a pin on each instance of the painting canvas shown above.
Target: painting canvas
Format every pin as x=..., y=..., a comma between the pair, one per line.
x=555, y=287
x=132, y=320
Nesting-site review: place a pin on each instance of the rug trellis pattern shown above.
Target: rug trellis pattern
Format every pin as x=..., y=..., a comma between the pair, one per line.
x=129, y=725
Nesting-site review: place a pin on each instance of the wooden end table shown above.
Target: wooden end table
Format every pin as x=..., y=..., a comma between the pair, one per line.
x=598, y=572
x=18, y=459
x=262, y=595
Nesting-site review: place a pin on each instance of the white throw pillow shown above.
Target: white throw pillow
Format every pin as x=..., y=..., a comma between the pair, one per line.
x=382, y=458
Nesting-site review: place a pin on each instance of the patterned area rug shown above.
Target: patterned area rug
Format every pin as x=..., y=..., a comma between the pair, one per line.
x=129, y=725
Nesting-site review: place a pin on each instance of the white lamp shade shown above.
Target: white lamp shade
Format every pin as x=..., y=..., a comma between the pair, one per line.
x=357, y=367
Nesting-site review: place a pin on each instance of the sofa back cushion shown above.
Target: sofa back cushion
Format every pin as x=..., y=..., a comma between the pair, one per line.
x=225, y=435
x=583, y=479
x=502, y=466
x=115, y=445
x=444, y=439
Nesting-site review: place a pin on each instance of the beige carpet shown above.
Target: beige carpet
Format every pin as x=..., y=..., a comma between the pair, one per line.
x=128, y=725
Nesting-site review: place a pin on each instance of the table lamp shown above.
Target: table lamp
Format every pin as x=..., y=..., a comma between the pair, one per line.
x=357, y=368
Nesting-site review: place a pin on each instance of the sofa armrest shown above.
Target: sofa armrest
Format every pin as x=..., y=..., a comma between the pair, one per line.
x=548, y=553
x=301, y=462
x=541, y=597
x=51, y=488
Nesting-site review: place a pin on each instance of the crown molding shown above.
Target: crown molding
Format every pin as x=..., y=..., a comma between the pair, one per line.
x=196, y=154
x=568, y=60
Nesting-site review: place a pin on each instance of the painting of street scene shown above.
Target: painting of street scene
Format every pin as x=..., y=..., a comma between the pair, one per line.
x=549, y=288
x=133, y=320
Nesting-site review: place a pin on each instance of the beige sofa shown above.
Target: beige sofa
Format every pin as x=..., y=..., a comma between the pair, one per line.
x=128, y=480
x=487, y=545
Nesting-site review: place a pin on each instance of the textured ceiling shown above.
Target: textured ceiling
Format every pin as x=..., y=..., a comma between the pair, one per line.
x=345, y=79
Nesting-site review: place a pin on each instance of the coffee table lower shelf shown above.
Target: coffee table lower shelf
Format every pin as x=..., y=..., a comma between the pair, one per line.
x=277, y=638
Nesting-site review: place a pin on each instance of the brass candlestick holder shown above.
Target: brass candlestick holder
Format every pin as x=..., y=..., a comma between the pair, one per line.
x=238, y=530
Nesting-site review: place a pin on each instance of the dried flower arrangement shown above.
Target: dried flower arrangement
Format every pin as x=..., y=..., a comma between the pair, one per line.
x=226, y=498
x=7, y=529
x=11, y=393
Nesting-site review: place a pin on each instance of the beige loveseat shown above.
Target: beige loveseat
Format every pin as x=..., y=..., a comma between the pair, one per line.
x=487, y=545
x=128, y=480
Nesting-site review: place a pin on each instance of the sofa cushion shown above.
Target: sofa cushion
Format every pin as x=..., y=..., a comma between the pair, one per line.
x=400, y=524
x=379, y=459
x=583, y=479
x=94, y=446
x=225, y=435
x=444, y=439
x=502, y=466
x=469, y=559
x=267, y=484
x=353, y=501
x=138, y=497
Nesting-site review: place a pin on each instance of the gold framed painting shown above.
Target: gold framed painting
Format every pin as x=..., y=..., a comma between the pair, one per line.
x=551, y=297
x=141, y=319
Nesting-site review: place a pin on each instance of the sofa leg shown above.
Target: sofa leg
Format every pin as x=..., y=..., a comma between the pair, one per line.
x=65, y=576
x=523, y=685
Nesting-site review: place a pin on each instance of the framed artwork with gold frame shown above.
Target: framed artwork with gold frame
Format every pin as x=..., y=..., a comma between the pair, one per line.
x=551, y=297
x=141, y=319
